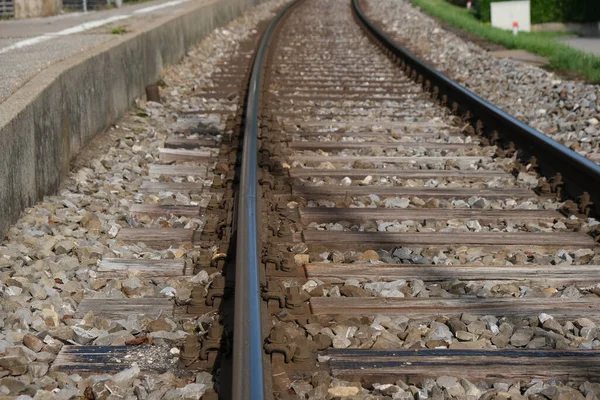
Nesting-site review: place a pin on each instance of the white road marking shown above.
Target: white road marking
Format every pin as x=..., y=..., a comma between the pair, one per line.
x=158, y=6
x=25, y=43
x=86, y=26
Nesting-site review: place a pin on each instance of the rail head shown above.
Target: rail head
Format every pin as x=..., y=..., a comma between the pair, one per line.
x=580, y=174
x=248, y=379
x=248, y=373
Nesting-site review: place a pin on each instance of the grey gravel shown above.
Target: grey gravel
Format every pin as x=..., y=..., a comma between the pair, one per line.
x=567, y=111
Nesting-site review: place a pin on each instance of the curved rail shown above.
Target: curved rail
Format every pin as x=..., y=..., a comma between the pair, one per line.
x=581, y=175
x=248, y=380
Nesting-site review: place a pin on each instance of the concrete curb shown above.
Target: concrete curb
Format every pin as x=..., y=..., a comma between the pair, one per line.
x=50, y=119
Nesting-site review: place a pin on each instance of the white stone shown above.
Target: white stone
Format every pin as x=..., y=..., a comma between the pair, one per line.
x=343, y=391
x=323, y=358
x=127, y=375
x=395, y=202
x=114, y=230
x=474, y=225
x=193, y=391
x=83, y=336
x=13, y=290
x=543, y=317
x=168, y=291
x=340, y=342
x=309, y=285
x=527, y=178
x=200, y=277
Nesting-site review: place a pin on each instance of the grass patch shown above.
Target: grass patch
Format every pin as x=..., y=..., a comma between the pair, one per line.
x=561, y=57
x=119, y=30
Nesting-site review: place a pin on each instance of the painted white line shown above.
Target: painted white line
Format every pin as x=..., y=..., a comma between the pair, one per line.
x=158, y=6
x=25, y=43
x=86, y=26
x=75, y=29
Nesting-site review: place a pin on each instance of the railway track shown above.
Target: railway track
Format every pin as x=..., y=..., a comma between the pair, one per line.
x=352, y=225
x=413, y=241
x=169, y=281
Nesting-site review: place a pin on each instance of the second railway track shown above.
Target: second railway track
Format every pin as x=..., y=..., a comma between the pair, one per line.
x=403, y=255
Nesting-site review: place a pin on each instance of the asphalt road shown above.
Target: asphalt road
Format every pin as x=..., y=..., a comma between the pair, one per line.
x=589, y=45
x=30, y=45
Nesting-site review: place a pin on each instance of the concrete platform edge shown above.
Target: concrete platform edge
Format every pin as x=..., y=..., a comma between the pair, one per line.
x=51, y=118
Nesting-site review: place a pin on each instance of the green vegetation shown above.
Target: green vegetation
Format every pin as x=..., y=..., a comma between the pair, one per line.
x=549, y=10
x=560, y=56
x=119, y=30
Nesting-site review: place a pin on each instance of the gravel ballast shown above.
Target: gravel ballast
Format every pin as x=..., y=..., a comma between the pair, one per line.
x=49, y=258
x=567, y=111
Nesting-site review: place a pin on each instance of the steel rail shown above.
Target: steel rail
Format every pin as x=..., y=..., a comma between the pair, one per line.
x=248, y=379
x=580, y=174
